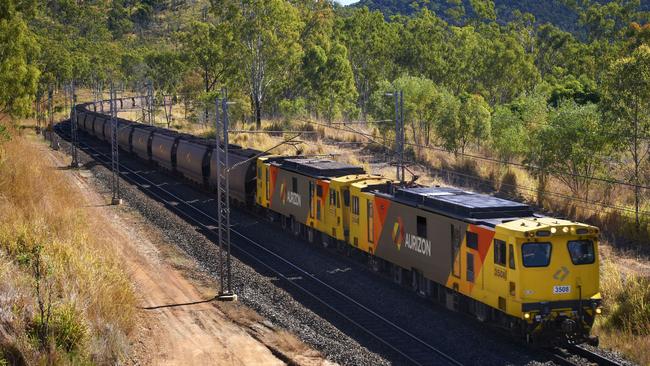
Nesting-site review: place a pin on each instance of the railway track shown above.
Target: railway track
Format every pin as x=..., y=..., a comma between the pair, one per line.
x=573, y=355
x=402, y=343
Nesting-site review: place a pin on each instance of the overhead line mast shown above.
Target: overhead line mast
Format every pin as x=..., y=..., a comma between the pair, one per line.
x=73, y=126
x=115, y=153
x=223, y=198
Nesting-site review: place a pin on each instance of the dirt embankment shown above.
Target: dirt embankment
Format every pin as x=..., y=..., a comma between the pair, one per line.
x=179, y=324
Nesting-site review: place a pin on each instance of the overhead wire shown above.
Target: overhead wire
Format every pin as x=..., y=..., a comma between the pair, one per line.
x=493, y=160
x=371, y=138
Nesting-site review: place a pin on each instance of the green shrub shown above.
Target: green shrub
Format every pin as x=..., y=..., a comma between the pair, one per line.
x=68, y=328
x=627, y=300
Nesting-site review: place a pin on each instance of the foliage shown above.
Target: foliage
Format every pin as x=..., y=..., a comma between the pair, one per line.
x=626, y=297
x=370, y=41
x=626, y=106
x=329, y=79
x=266, y=35
x=577, y=144
x=165, y=69
x=464, y=120
x=56, y=258
x=18, y=48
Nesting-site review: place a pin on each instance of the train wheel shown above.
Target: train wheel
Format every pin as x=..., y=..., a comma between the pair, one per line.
x=481, y=311
x=451, y=300
x=346, y=249
x=373, y=263
x=325, y=241
x=295, y=226
x=283, y=222
x=397, y=274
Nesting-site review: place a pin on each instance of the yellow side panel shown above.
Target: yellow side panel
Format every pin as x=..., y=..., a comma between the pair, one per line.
x=261, y=196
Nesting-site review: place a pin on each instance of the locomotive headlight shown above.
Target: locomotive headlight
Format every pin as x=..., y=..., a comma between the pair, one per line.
x=565, y=229
x=599, y=310
x=526, y=316
x=553, y=230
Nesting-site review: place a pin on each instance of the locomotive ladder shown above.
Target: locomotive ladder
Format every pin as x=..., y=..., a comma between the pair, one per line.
x=223, y=198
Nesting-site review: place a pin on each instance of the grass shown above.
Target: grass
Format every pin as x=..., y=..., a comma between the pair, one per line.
x=65, y=299
x=625, y=323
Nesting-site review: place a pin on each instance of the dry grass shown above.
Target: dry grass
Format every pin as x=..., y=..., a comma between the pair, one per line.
x=625, y=323
x=42, y=229
x=289, y=343
x=240, y=314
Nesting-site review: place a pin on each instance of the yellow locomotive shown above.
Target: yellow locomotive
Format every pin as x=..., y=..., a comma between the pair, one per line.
x=537, y=276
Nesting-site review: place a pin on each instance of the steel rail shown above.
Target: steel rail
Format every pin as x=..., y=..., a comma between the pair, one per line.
x=592, y=356
x=175, y=205
x=567, y=354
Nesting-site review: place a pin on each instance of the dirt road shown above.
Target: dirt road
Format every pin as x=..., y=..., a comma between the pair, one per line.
x=179, y=324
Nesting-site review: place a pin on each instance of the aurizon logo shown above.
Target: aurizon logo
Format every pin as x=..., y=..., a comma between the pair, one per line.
x=398, y=233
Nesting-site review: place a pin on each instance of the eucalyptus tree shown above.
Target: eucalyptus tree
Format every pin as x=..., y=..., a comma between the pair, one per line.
x=204, y=46
x=578, y=145
x=18, y=50
x=626, y=106
x=371, y=44
x=264, y=46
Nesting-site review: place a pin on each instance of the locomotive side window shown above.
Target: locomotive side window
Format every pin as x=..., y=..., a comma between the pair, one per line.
x=511, y=256
x=536, y=254
x=581, y=251
x=346, y=198
x=355, y=205
x=319, y=190
x=422, y=227
x=332, y=197
x=472, y=240
x=294, y=185
x=470, y=267
x=499, y=252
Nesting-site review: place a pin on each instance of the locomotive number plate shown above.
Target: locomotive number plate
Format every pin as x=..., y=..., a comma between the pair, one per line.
x=561, y=289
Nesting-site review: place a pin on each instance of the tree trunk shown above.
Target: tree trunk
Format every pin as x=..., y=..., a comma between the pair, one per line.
x=206, y=112
x=541, y=188
x=637, y=163
x=258, y=114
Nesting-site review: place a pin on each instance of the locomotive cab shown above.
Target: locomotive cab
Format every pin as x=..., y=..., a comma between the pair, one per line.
x=558, y=277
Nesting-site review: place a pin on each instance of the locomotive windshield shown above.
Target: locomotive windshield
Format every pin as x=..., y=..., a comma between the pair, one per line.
x=581, y=251
x=536, y=254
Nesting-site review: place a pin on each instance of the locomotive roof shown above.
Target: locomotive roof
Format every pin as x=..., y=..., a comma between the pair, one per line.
x=318, y=167
x=461, y=203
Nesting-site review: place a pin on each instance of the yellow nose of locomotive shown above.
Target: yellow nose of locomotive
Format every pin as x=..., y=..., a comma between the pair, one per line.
x=559, y=277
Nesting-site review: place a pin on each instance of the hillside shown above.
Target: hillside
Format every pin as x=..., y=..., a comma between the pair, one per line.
x=547, y=11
